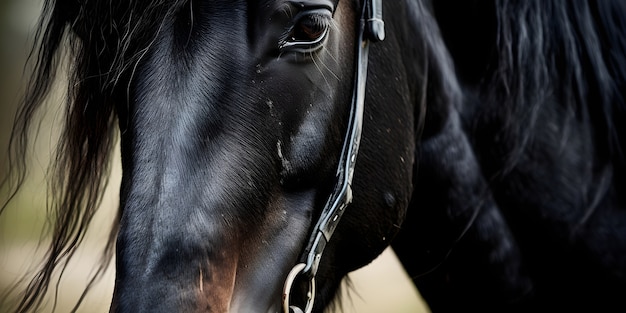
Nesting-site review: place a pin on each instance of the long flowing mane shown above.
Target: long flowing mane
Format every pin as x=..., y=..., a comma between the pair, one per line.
x=523, y=57
x=119, y=31
x=574, y=51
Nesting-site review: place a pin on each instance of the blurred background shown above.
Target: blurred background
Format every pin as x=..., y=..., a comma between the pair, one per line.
x=380, y=287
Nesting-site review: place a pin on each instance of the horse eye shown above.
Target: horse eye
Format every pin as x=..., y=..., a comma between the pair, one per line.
x=309, y=29
x=308, y=33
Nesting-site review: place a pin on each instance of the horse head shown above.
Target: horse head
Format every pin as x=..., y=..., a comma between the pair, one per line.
x=240, y=124
x=232, y=133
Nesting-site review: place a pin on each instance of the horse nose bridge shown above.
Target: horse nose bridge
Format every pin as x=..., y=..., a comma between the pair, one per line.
x=189, y=241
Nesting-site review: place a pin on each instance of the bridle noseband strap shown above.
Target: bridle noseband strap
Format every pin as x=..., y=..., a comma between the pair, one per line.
x=371, y=28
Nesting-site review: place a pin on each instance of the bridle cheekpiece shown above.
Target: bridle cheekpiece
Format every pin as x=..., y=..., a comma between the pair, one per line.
x=371, y=28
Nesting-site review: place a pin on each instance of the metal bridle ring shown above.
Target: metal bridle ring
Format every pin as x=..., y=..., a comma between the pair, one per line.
x=291, y=278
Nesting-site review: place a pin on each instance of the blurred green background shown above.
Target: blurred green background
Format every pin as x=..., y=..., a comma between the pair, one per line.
x=380, y=287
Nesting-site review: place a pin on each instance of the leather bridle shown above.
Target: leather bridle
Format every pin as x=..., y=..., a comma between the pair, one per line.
x=371, y=28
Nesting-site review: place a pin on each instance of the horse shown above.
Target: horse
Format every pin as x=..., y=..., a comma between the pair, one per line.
x=271, y=147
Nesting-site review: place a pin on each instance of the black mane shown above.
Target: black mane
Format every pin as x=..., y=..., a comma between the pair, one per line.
x=120, y=32
x=571, y=55
x=526, y=54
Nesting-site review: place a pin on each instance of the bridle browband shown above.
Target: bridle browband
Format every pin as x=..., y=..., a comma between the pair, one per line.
x=371, y=28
